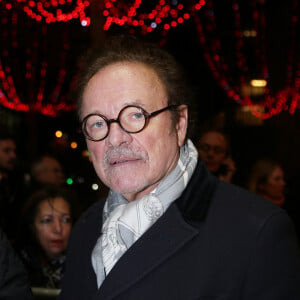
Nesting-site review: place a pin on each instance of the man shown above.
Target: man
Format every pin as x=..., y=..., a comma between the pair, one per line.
x=11, y=184
x=168, y=229
x=46, y=170
x=8, y=154
x=213, y=148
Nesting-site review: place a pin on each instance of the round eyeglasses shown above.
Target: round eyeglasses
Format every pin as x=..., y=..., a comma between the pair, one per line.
x=131, y=118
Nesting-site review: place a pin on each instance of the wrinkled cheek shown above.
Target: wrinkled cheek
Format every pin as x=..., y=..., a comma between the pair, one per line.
x=101, y=172
x=95, y=151
x=97, y=163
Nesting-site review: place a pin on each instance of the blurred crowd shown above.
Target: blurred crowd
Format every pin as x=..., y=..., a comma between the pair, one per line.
x=265, y=178
x=37, y=211
x=38, y=208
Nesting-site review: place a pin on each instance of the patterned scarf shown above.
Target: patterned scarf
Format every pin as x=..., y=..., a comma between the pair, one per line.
x=124, y=222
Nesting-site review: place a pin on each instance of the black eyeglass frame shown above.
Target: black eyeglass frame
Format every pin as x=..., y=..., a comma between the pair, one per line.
x=117, y=120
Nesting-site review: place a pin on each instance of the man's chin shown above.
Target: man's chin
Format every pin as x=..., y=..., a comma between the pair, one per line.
x=129, y=190
x=126, y=190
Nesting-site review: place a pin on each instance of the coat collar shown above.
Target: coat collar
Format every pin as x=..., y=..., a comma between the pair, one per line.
x=171, y=232
x=159, y=243
x=194, y=201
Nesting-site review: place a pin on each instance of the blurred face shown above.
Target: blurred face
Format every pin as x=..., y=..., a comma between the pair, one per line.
x=50, y=172
x=7, y=155
x=274, y=187
x=52, y=226
x=133, y=164
x=212, y=148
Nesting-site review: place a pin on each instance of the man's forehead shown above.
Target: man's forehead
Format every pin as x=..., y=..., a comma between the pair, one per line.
x=7, y=144
x=122, y=84
x=214, y=138
x=124, y=70
x=49, y=161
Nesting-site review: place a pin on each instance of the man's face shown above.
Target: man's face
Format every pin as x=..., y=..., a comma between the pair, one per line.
x=50, y=172
x=133, y=164
x=212, y=148
x=7, y=155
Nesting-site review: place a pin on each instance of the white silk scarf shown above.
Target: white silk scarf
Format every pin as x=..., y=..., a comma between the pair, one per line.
x=124, y=222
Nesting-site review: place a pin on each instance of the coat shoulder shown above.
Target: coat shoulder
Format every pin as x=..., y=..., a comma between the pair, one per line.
x=233, y=200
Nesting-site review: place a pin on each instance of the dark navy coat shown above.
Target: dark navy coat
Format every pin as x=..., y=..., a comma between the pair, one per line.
x=216, y=242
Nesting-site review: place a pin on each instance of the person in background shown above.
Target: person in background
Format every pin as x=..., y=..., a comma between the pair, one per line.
x=267, y=180
x=14, y=283
x=213, y=148
x=47, y=170
x=12, y=185
x=168, y=228
x=47, y=223
x=8, y=155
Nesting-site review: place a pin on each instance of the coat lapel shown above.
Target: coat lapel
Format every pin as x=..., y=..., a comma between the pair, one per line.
x=165, y=238
x=161, y=241
x=91, y=223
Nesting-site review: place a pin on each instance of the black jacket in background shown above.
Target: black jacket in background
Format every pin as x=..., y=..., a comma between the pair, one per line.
x=14, y=283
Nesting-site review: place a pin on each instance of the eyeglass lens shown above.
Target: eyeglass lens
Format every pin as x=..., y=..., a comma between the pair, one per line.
x=132, y=119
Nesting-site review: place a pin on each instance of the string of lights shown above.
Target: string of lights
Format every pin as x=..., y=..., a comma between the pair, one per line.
x=53, y=10
x=166, y=14
x=143, y=18
x=37, y=90
x=273, y=103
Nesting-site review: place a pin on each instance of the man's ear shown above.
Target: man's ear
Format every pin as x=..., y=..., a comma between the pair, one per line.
x=182, y=124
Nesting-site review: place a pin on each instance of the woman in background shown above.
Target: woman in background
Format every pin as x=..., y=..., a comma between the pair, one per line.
x=48, y=217
x=267, y=180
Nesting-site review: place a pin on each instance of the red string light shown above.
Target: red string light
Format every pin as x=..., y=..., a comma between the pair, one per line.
x=165, y=16
x=54, y=11
x=273, y=103
x=35, y=56
x=34, y=90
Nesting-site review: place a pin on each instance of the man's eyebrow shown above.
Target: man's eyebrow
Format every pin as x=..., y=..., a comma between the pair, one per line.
x=127, y=103
x=134, y=102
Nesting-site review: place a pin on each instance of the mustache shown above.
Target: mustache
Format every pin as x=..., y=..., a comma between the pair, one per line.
x=119, y=152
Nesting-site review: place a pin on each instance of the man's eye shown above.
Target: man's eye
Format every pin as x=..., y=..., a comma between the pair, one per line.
x=137, y=116
x=204, y=147
x=218, y=150
x=98, y=124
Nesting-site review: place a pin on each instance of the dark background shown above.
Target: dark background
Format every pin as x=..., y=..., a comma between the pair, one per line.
x=251, y=138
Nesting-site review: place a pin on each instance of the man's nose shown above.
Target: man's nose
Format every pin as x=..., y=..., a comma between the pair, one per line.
x=211, y=152
x=117, y=136
x=13, y=154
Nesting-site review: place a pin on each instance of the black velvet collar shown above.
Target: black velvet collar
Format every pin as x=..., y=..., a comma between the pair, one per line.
x=194, y=201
